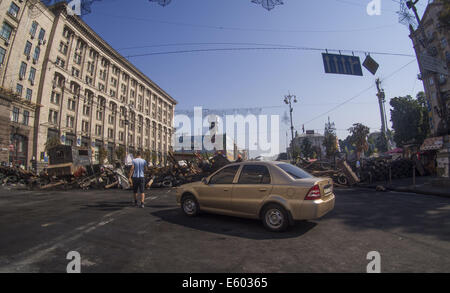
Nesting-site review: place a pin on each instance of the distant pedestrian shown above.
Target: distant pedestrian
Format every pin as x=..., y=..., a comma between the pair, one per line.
x=137, y=178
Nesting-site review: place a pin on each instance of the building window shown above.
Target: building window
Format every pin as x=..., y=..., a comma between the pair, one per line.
x=98, y=130
x=77, y=58
x=37, y=52
x=27, y=50
x=110, y=133
x=2, y=55
x=53, y=116
x=71, y=104
x=29, y=94
x=63, y=48
x=85, y=126
x=32, y=75
x=23, y=70
x=70, y=121
x=89, y=80
x=60, y=62
x=6, y=31
x=13, y=10
x=26, y=117
x=41, y=34
x=111, y=119
x=33, y=29
x=99, y=115
x=15, y=114
x=75, y=72
x=19, y=89
x=86, y=110
x=55, y=98
x=120, y=135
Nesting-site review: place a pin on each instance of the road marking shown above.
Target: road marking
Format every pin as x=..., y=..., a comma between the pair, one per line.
x=26, y=259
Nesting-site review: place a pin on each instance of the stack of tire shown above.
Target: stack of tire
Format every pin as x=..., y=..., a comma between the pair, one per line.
x=378, y=169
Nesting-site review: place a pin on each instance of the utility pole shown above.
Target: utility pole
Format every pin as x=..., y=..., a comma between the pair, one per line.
x=381, y=100
x=288, y=100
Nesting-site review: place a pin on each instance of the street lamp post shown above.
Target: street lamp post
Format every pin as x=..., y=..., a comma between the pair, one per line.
x=288, y=99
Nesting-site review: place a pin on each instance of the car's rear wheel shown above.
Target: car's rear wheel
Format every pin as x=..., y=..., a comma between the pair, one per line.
x=275, y=218
x=190, y=206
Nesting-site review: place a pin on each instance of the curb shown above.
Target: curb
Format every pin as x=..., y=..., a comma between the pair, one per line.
x=409, y=190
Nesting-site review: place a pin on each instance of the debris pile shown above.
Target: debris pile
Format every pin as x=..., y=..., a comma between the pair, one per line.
x=68, y=175
x=378, y=169
x=343, y=175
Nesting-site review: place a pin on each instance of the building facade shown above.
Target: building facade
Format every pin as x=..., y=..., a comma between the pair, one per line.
x=431, y=44
x=65, y=82
x=316, y=140
x=431, y=39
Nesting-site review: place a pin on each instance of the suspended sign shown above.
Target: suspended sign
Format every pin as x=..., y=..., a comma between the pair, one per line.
x=342, y=64
x=371, y=65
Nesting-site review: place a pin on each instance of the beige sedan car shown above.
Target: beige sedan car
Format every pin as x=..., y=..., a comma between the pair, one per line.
x=277, y=193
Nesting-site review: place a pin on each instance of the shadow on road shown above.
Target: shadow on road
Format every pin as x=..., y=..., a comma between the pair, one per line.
x=412, y=213
x=232, y=226
x=108, y=206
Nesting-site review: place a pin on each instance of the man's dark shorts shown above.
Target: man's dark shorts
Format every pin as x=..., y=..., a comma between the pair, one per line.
x=138, y=185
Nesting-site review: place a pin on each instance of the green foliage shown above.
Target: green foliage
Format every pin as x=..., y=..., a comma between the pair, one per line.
x=347, y=146
x=120, y=153
x=154, y=157
x=330, y=140
x=52, y=142
x=147, y=155
x=102, y=154
x=296, y=152
x=358, y=137
x=409, y=119
x=306, y=148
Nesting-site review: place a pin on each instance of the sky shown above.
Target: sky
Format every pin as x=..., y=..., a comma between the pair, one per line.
x=261, y=78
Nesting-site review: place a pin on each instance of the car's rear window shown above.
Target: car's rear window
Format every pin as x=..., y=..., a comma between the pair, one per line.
x=295, y=171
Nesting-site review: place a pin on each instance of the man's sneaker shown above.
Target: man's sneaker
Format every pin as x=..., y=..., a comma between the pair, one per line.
x=135, y=203
x=142, y=205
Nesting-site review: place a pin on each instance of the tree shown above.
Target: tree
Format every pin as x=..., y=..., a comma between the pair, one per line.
x=147, y=155
x=409, y=119
x=52, y=141
x=347, y=146
x=358, y=137
x=330, y=140
x=121, y=153
x=306, y=148
x=102, y=154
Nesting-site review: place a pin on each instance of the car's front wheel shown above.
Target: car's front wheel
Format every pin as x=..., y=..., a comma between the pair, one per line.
x=190, y=206
x=275, y=218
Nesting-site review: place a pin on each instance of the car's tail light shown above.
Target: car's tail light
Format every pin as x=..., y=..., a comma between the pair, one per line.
x=313, y=193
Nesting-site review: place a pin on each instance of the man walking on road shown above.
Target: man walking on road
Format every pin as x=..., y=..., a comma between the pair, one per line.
x=137, y=178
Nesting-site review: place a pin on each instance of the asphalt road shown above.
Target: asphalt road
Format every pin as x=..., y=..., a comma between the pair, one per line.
x=37, y=230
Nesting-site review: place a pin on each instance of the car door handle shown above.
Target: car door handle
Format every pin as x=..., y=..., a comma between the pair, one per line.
x=225, y=189
x=263, y=189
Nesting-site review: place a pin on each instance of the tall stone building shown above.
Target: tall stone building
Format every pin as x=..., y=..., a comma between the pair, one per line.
x=431, y=43
x=60, y=79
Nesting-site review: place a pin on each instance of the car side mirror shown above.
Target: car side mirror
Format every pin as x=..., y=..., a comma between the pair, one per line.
x=205, y=181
